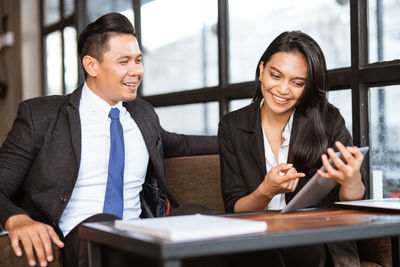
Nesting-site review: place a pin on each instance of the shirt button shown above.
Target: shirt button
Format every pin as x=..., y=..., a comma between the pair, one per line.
x=63, y=199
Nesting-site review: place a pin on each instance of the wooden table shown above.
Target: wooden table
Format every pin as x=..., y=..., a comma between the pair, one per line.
x=284, y=230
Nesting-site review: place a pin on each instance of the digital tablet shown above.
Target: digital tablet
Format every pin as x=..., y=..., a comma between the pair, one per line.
x=315, y=190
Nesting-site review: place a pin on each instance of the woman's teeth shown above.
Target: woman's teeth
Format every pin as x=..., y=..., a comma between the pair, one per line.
x=280, y=99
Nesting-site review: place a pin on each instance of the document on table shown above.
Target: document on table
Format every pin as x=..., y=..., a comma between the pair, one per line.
x=389, y=204
x=192, y=227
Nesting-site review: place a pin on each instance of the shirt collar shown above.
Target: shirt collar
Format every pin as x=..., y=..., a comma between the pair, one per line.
x=92, y=102
x=288, y=128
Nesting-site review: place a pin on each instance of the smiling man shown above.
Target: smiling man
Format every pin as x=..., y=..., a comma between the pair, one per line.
x=96, y=154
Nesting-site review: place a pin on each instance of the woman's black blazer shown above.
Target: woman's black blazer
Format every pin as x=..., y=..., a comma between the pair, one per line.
x=242, y=156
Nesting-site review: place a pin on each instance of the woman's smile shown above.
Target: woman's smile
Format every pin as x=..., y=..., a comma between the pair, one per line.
x=279, y=100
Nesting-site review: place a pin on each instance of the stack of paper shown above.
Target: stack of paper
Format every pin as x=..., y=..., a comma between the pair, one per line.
x=192, y=227
x=375, y=204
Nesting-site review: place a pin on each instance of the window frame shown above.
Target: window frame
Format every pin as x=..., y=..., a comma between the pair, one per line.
x=359, y=76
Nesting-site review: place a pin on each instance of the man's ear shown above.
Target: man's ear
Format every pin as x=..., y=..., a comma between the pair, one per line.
x=91, y=65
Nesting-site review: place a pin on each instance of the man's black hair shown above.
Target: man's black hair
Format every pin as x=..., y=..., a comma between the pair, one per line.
x=93, y=40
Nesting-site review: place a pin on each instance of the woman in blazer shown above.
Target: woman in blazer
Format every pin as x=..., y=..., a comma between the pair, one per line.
x=272, y=147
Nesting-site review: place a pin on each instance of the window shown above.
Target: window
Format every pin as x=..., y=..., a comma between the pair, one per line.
x=60, y=62
x=254, y=25
x=51, y=12
x=384, y=141
x=97, y=8
x=342, y=100
x=200, y=57
x=238, y=104
x=54, y=71
x=180, y=48
x=70, y=59
x=197, y=119
x=384, y=32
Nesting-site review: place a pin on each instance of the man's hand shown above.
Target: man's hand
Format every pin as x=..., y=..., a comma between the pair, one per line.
x=33, y=236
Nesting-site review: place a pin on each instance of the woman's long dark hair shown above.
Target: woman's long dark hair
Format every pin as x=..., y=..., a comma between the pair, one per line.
x=308, y=139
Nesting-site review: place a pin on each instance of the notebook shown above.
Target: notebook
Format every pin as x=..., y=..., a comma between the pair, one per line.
x=192, y=227
x=315, y=189
x=386, y=204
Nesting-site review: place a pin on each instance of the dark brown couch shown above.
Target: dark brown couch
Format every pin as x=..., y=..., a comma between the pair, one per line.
x=8, y=258
x=196, y=180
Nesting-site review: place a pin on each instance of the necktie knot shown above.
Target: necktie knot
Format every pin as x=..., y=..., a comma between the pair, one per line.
x=114, y=114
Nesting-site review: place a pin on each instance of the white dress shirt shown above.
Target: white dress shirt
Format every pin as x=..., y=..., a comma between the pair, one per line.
x=278, y=202
x=88, y=195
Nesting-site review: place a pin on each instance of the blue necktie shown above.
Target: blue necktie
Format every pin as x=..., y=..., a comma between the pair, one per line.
x=114, y=200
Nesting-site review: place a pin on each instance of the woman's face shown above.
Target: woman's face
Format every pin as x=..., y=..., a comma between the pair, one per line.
x=283, y=79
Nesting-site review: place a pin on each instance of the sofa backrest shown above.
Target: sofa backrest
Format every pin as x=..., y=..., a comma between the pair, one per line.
x=195, y=180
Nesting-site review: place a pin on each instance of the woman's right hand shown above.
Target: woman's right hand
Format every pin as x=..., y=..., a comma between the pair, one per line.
x=280, y=179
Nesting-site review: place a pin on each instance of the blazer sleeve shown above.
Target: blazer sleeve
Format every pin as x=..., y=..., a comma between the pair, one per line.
x=179, y=145
x=16, y=155
x=173, y=144
x=233, y=185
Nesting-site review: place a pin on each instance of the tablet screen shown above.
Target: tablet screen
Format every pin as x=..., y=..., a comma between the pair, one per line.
x=315, y=190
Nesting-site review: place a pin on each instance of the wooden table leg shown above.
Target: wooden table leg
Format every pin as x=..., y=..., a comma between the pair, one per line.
x=94, y=254
x=395, y=251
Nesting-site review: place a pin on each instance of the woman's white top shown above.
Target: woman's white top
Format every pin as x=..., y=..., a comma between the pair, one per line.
x=278, y=201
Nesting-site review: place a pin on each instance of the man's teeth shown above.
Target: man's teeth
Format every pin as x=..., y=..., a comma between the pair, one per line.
x=130, y=84
x=280, y=99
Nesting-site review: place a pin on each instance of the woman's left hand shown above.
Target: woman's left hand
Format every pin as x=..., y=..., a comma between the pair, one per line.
x=347, y=173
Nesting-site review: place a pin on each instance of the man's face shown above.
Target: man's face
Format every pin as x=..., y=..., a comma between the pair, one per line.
x=117, y=77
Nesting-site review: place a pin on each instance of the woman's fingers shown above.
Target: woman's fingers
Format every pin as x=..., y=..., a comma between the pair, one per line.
x=330, y=171
x=289, y=181
x=282, y=168
x=342, y=170
x=282, y=178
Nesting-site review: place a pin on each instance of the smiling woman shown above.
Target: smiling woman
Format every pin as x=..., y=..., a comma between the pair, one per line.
x=282, y=82
x=271, y=148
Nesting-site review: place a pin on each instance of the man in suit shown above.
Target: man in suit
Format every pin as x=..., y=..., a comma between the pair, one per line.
x=54, y=164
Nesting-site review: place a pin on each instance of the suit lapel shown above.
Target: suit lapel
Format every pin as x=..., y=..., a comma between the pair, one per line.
x=250, y=123
x=75, y=122
x=150, y=135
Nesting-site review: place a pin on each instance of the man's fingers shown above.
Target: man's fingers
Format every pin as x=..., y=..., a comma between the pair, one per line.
x=46, y=241
x=36, y=239
x=15, y=245
x=30, y=256
x=39, y=249
x=54, y=237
